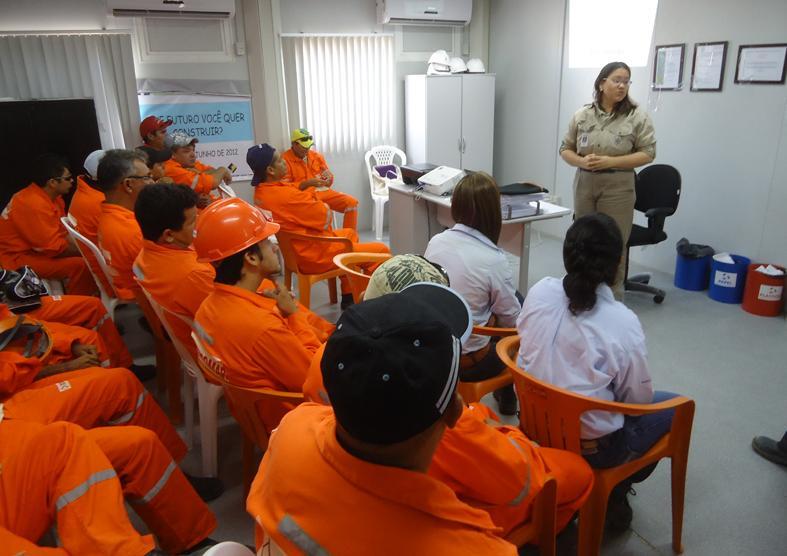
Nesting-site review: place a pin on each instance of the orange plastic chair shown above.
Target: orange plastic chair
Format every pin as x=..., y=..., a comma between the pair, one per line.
x=167, y=359
x=305, y=280
x=541, y=530
x=473, y=391
x=243, y=403
x=550, y=416
x=351, y=263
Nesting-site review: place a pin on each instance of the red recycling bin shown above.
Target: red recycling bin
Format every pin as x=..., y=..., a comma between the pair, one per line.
x=764, y=294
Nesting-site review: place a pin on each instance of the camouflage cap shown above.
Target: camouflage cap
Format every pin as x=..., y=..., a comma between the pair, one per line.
x=400, y=271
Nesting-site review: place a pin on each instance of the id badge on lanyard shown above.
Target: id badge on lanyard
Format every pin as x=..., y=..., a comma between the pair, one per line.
x=584, y=140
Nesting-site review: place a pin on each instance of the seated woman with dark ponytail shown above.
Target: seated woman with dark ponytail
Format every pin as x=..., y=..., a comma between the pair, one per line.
x=576, y=336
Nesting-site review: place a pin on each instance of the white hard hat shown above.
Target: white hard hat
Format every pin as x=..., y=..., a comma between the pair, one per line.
x=440, y=57
x=475, y=65
x=458, y=65
x=91, y=163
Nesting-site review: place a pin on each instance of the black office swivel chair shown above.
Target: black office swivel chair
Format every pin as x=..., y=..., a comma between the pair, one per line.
x=658, y=193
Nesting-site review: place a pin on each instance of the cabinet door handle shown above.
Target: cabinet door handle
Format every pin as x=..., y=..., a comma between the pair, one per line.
x=463, y=145
x=459, y=144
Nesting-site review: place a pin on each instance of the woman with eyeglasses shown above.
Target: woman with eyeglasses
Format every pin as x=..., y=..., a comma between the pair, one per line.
x=606, y=140
x=479, y=271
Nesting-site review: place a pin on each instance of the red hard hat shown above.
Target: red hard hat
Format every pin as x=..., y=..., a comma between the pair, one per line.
x=229, y=226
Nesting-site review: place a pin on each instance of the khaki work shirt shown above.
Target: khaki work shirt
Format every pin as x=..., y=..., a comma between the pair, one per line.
x=591, y=130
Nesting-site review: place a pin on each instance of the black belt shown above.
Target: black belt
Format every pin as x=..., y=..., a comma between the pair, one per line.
x=610, y=171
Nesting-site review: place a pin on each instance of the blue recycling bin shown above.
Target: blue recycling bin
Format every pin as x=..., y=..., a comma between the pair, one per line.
x=692, y=273
x=728, y=280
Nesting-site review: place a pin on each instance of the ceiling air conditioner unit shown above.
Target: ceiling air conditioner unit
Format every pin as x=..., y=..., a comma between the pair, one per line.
x=424, y=12
x=213, y=9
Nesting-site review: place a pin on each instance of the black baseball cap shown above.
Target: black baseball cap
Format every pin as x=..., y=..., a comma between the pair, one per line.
x=392, y=365
x=259, y=157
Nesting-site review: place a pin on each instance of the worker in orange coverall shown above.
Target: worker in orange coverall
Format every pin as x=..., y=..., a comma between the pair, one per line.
x=307, y=168
x=301, y=212
x=31, y=232
x=185, y=169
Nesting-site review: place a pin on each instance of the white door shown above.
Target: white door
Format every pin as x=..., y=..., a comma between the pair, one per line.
x=478, y=121
x=444, y=120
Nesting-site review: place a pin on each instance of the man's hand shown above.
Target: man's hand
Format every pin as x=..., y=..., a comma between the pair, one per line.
x=313, y=182
x=227, y=176
x=285, y=301
x=203, y=201
x=78, y=350
x=165, y=179
x=599, y=162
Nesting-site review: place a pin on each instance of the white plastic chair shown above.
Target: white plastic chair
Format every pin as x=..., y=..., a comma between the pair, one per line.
x=378, y=156
x=110, y=299
x=228, y=548
x=208, y=394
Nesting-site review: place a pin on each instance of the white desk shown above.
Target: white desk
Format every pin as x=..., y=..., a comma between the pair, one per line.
x=417, y=216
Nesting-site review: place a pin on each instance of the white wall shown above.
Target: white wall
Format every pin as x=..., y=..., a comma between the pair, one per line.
x=729, y=146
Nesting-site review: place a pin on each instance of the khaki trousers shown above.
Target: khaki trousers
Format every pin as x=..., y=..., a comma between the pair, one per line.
x=613, y=194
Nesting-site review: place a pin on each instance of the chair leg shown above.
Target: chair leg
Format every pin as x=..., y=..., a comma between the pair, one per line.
x=188, y=403
x=304, y=291
x=379, y=205
x=678, y=496
x=209, y=395
x=591, y=522
x=332, y=291
x=174, y=381
x=248, y=464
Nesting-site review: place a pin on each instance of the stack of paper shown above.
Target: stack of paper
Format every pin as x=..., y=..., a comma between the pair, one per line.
x=770, y=270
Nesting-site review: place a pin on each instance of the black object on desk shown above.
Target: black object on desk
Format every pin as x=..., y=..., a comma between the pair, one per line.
x=411, y=172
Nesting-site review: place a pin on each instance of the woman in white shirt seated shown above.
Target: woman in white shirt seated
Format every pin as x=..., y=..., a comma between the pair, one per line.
x=576, y=336
x=479, y=271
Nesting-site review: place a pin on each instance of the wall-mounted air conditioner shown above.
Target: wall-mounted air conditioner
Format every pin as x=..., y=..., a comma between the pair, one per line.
x=172, y=8
x=424, y=12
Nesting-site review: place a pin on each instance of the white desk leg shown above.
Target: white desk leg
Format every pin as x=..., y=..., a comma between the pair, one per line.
x=524, y=258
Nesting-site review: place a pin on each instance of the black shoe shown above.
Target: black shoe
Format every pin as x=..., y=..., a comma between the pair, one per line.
x=201, y=547
x=143, y=372
x=347, y=300
x=769, y=449
x=619, y=512
x=506, y=400
x=208, y=488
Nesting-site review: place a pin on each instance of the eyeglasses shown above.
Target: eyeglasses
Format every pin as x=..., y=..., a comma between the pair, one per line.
x=63, y=178
x=618, y=82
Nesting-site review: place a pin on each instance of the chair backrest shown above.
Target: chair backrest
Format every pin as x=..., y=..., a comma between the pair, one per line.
x=351, y=263
x=243, y=401
x=658, y=186
x=105, y=287
x=382, y=155
x=186, y=359
x=287, y=249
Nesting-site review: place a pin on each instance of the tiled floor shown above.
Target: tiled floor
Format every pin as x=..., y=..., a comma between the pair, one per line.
x=732, y=363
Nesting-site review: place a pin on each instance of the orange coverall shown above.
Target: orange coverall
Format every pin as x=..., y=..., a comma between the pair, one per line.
x=307, y=483
x=84, y=211
x=179, y=283
x=57, y=474
x=31, y=234
x=301, y=212
x=259, y=347
x=89, y=397
x=120, y=241
x=494, y=468
x=299, y=170
x=202, y=184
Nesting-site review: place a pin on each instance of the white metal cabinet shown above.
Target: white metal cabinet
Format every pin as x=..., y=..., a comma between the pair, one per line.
x=450, y=120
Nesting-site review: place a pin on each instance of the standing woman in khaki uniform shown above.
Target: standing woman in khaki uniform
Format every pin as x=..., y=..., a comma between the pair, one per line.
x=606, y=140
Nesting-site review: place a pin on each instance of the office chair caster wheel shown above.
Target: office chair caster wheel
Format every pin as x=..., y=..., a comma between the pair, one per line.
x=658, y=299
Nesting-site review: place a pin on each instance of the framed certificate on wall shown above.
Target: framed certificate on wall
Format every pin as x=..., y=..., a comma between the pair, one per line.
x=707, y=69
x=761, y=63
x=668, y=68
